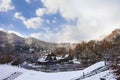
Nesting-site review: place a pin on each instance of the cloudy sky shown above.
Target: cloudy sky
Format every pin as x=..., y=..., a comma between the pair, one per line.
x=60, y=20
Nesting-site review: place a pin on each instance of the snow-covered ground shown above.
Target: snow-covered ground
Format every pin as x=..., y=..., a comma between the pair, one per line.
x=7, y=70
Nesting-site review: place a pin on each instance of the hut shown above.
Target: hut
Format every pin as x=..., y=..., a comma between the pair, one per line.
x=47, y=59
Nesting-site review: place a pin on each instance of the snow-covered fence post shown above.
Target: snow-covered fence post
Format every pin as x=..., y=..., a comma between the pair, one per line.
x=83, y=75
x=102, y=79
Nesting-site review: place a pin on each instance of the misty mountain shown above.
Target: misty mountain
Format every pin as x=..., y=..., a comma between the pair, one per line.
x=13, y=39
x=10, y=38
x=38, y=43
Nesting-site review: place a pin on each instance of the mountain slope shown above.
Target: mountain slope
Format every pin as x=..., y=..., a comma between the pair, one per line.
x=38, y=43
x=113, y=36
x=10, y=38
x=13, y=39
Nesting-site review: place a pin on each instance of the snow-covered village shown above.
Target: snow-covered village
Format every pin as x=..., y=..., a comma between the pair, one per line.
x=59, y=40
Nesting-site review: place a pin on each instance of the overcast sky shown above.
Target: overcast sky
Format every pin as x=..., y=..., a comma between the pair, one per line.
x=60, y=20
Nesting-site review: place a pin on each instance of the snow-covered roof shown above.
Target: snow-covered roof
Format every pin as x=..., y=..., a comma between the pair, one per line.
x=42, y=59
x=58, y=58
x=66, y=55
x=76, y=61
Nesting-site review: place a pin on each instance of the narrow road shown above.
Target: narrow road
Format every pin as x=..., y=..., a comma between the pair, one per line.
x=13, y=76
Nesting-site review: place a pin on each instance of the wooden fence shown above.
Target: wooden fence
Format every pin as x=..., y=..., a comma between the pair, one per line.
x=92, y=73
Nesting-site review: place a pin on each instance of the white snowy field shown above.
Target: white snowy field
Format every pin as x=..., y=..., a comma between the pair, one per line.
x=7, y=70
